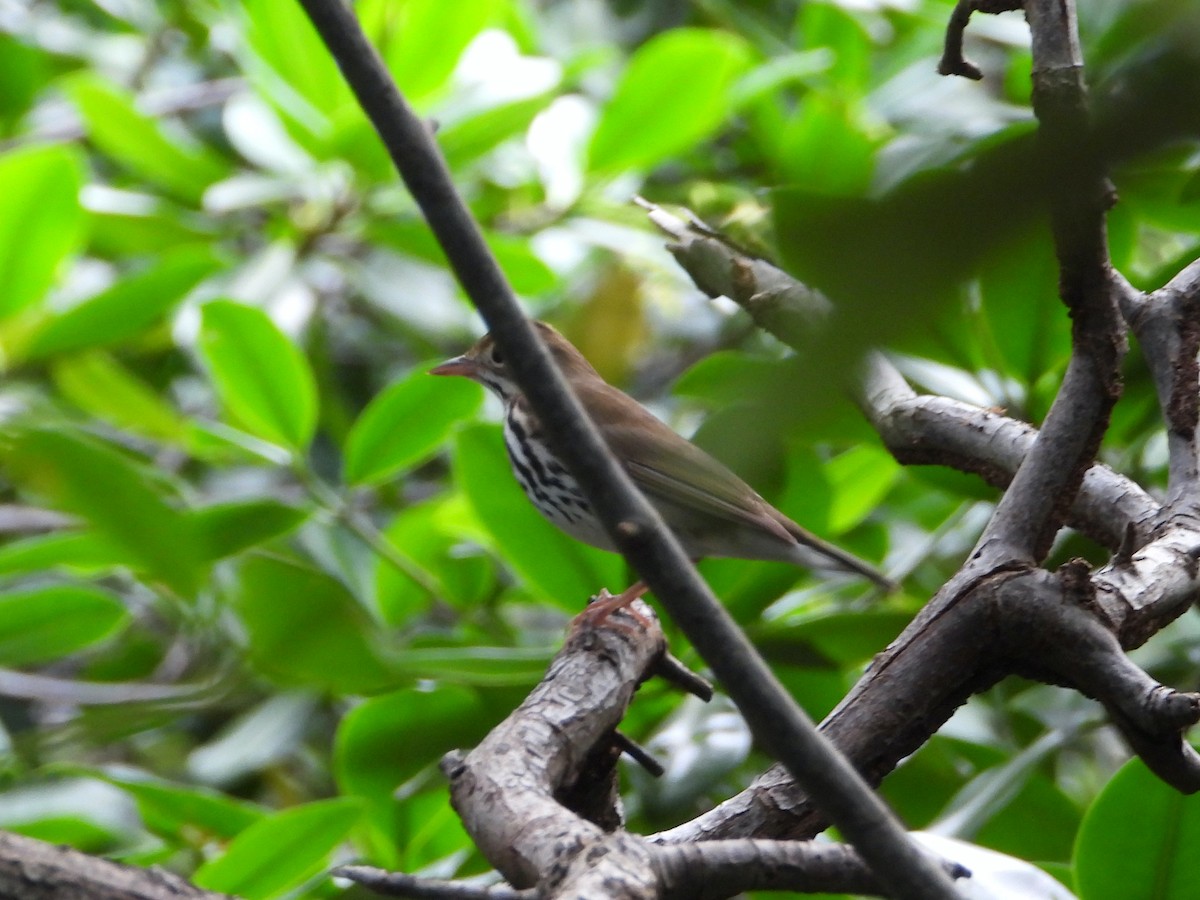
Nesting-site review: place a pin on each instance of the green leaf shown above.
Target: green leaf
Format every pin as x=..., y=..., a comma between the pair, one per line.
x=262, y=378
x=467, y=140
x=49, y=623
x=98, y=384
x=561, y=568
x=128, y=225
x=524, y=269
x=185, y=814
x=294, y=69
x=675, y=91
x=40, y=221
x=732, y=376
x=1021, y=310
x=405, y=424
x=830, y=27
x=282, y=851
x=836, y=639
x=141, y=144
x=860, y=478
x=808, y=497
x=305, y=628
x=926, y=232
x=70, y=831
x=422, y=40
x=23, y=72
x=426, y=723
x=431, y=535
x=228, y=528
x=1136, y=840
x=428, y=830
x=123, y=500
x=478, y=666
x=126, y=309
x=83, y=553
x=827, y=147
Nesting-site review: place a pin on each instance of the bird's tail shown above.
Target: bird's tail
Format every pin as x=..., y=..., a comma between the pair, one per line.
x=820, y=554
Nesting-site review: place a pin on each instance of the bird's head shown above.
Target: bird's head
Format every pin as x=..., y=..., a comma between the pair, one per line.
x=485, y=362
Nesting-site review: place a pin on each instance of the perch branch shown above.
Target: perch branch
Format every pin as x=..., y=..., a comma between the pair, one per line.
x=509, y=791
x=518, y=792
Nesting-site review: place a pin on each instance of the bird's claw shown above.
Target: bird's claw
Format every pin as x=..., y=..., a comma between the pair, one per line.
x=604, y=604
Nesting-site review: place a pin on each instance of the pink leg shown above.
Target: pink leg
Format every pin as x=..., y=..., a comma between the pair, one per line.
x=606, y=604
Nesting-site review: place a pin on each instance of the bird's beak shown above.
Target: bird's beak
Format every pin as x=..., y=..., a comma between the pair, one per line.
x=460, y=365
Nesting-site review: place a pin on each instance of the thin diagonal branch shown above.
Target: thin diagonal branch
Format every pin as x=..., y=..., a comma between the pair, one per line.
x=774, y=718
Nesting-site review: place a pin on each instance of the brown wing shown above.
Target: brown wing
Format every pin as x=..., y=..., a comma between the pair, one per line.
x=670, y=468
x=677, y=475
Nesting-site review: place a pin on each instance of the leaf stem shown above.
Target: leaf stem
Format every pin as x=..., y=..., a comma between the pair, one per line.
x=340, y=508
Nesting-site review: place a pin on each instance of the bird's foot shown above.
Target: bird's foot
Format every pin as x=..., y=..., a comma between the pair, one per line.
x=605, y=604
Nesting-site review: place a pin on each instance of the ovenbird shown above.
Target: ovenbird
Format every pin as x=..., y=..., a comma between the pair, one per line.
x=711, y=511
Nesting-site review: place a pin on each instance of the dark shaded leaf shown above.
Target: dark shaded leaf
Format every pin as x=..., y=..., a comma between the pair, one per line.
x=305, y=628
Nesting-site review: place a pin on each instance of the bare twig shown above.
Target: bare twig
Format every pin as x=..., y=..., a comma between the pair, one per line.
x=778, y=303
x=671, y=670
x=638, y=754
x=953, y=62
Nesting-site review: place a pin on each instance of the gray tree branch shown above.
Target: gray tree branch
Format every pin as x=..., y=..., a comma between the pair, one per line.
x=35, y=870
x=1167, y=325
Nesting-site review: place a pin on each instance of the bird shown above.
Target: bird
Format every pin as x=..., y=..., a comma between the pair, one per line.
x=710, y=510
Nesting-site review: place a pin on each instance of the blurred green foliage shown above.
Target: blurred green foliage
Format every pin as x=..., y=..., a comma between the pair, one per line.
x=290, y=571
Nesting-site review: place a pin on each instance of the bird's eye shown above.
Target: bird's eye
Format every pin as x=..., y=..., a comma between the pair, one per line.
x=497, y=356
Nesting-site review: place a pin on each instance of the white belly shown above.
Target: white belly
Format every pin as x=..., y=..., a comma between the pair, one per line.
x=551, y=489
